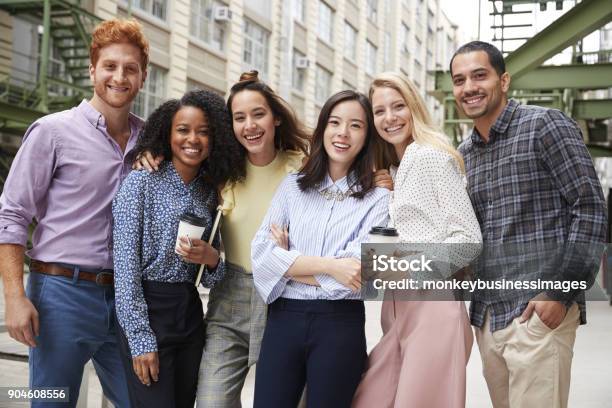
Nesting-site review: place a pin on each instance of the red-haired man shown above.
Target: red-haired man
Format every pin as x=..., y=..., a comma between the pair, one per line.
x=65, y=176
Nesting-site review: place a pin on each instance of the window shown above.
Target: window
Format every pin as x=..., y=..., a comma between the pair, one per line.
x=418, y=45
x=450, y=48
x=158, y=8
x=372, y=10
x=430, y=20
x=204, y=27
x=418, y=71
x=440, y=47
x=57, y=68
x=322, y=85
x=299, y=11
x=255, y=53
x=371, y=52
x=386, y=49
x=299, y=74
x=404, y=36
x=152, y=94
x=326, y=22
x=350, y=42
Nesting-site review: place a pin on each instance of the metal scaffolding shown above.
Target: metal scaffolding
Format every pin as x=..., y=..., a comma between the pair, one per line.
x=561, y=87
x=64, y=28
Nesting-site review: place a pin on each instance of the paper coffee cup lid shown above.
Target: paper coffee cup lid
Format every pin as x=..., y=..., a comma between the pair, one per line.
x=386, y=231
x=193, y=220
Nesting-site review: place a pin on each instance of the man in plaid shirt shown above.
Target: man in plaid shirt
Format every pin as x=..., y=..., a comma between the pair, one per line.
x=533, y=185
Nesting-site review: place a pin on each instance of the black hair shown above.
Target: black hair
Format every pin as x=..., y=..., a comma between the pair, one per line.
x=317, y=166
x=496, y=58
x=290, y=134
x=224, y=149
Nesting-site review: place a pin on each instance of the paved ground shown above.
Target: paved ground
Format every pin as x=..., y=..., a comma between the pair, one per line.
x=592, y=368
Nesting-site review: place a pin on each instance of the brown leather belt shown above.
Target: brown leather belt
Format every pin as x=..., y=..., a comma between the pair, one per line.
x=103, y=278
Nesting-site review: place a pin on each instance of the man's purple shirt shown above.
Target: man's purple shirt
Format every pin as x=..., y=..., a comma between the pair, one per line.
x=65, y=176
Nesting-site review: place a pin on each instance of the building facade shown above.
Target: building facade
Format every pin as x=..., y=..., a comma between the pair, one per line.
x=304, y=49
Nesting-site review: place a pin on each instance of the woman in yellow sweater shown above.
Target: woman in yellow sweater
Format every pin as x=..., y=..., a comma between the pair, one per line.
x=275, y=143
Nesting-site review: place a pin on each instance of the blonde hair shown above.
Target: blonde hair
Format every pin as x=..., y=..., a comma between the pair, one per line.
x=424, y=131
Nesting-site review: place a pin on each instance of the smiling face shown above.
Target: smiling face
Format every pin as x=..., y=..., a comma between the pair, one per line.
x=189, y=141
x=480, y=92
x=117, y=76
x=254, y=124
x=344, y=137
x=392, y=117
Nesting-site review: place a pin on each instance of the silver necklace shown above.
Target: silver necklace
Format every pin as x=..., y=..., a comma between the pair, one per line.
x=335, y=195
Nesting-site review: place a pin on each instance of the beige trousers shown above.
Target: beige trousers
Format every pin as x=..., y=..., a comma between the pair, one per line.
x=527, y=364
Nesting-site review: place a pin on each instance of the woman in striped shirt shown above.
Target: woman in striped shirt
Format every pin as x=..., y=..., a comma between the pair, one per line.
x=311, y=281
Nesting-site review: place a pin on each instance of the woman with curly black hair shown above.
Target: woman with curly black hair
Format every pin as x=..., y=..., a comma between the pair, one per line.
x=158, y=306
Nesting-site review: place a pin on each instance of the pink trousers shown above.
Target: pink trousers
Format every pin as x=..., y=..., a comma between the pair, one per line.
x=420, y=360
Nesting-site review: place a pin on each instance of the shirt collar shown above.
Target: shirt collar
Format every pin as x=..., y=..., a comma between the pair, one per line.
x=342, y=185
x=501, y=125
x=97, y=119
x=93, y=116
x=176, y=178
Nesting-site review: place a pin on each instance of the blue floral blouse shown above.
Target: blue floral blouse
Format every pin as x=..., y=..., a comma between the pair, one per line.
x=146, y=214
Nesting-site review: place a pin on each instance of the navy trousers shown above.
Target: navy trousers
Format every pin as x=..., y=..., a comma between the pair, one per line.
x=316, y=342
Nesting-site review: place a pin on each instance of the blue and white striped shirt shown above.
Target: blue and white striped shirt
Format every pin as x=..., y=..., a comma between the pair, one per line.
x=317, y=227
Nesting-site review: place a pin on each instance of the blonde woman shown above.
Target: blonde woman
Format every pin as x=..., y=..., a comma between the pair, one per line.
x=420, y=360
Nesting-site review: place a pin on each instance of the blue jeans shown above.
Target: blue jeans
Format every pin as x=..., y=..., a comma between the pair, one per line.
x=76, y=325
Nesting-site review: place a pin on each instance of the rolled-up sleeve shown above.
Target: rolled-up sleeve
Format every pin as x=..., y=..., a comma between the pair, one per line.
x=271, y=262
x=132, y=312
x=27, y=183
x=378, y=215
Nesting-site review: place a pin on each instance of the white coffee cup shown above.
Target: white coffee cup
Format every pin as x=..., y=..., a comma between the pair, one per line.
x=190, y=226
x=383, y=235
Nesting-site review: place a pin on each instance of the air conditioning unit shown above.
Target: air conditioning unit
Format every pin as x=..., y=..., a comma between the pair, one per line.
x=302, y=63
x=222, y=13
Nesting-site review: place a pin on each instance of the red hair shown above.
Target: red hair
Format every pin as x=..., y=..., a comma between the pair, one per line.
x=118, y=31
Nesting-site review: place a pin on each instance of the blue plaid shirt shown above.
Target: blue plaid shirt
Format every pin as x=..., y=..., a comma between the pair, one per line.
x=533, y=184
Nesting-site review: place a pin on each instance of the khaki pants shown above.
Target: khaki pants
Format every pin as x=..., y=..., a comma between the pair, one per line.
x=528, y=364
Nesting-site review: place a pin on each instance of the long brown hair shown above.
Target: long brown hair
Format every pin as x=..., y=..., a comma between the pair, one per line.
x=290, y=134
x=317, y=166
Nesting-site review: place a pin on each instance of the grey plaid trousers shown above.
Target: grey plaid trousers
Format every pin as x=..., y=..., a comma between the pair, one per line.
x=235, y=322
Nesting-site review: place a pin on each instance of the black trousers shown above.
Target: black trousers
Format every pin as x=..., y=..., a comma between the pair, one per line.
x=176, y=318
x=318, y=342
